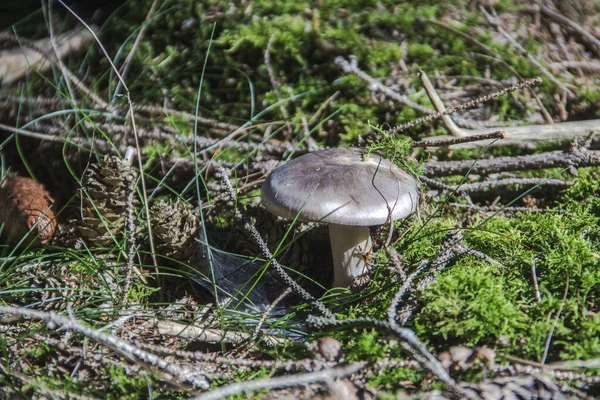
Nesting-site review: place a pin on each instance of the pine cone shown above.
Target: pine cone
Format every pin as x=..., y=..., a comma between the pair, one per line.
x=25, y=211
x=106, y=187
x=175, y=226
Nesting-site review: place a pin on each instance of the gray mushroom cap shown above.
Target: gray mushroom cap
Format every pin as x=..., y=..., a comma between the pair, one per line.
x=343, y=186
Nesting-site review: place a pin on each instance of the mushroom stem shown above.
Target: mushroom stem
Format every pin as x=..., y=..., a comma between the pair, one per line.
x=348, y=245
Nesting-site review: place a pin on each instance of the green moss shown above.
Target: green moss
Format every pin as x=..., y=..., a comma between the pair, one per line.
x=126, y=386
x=471, y=305
x=367, y=346
x=421, y=52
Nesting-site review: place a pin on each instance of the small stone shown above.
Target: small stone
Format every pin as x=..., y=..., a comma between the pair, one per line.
x=327, y=348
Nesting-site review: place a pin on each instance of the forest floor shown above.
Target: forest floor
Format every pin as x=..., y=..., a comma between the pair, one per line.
x=138, y=261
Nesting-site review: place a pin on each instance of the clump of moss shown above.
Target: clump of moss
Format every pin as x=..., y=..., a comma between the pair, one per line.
x=470, y=305
x=475, y=303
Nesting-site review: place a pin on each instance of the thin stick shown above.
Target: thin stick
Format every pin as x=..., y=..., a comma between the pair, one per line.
x=135, y=134
x=591, y=65
x=492, y=54
x=75, y=141
x=586, y=37
x=323, y=106
x=439, y=106
x=576, y=158
x=495, y=183
x=467, y=105
x=211, y=335
x=47, y=11
x=505, y=209
x=456, y=140
x=191, y=117
x=127, y=63
x=271, y=74
x=266, y=313
x=538, y=296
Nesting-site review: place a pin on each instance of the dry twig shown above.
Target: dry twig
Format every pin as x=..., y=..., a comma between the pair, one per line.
x=325, y=375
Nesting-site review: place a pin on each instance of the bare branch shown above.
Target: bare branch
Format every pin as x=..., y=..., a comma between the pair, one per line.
x=576, y=158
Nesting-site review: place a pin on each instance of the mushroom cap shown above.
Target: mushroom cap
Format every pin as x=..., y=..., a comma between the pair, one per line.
x=343, y=186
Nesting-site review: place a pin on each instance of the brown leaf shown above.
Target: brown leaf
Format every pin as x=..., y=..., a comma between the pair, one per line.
x=25, y=211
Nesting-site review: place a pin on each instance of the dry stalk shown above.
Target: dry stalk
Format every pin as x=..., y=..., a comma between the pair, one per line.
x=459, y=140
x=266, y=314
x=467, y=105
x=47, y=10
x=555, y=321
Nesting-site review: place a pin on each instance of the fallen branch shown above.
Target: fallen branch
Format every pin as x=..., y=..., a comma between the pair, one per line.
x=375, y=85
x=210, y=335
x=580, y=157
x=528, y=135
x=58, y=322
x=495, y=183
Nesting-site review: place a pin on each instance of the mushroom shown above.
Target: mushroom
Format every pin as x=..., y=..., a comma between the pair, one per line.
x=349, y=190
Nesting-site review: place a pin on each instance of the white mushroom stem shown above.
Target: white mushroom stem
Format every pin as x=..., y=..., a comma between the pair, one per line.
x=348, y=247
